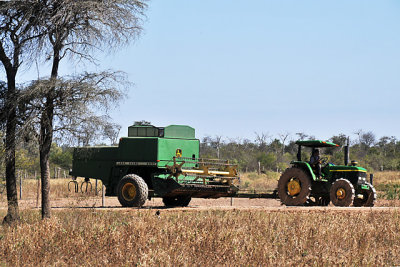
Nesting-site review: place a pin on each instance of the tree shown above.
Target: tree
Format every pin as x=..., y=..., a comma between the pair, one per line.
x=77, y=105
x=75, y=28
x=216, y=143
x=267, y=160
x=366, y=138
x=142, y=123
x=111, y=131
x=383, y=142
x=283, y=137
x=302, y=136
x=340, y=139
x=61, y=156
x=261, y=139
x=18, y=35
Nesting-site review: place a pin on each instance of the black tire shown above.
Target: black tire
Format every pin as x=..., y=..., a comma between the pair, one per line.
x=132, y=191
x=294, y=177
x=342, y=193
x=178, y=201
x=369, y=197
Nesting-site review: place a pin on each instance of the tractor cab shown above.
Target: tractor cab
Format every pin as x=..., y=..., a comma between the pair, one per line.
x=313, y=166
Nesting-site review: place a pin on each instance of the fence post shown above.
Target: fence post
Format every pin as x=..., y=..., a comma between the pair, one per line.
x=20, y=185
x=103, y=191
x=37, y=190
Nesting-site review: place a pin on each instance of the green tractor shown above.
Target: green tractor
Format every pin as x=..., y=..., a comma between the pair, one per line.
x=304, y=184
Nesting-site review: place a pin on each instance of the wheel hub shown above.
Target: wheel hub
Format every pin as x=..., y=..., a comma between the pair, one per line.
x=340, y=193
x=294, y=187
x=129, y=191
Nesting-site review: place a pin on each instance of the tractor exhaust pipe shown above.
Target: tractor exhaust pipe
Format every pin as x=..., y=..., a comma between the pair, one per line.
x=299, y=154
x=347, y=152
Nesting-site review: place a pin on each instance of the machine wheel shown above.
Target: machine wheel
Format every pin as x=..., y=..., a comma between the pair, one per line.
x=132, y=191
x=369, y=197
x=342, y=193
x=178, y=201
x=294, y=187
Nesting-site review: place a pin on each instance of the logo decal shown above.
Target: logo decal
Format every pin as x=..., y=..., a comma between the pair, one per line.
x=178, y=153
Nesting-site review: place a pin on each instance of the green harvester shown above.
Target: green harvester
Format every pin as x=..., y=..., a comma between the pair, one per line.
x=342, y=184
x=156, y=162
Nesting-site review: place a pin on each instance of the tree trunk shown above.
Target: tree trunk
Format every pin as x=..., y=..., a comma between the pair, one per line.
x=46, y=136
x=11, y=181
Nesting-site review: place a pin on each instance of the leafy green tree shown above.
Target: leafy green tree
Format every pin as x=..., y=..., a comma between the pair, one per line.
x=61, y=156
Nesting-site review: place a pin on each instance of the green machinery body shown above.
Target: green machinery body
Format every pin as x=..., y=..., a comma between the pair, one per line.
x=166, y=158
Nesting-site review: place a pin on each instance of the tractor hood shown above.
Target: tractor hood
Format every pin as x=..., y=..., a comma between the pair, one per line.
x=342, y=168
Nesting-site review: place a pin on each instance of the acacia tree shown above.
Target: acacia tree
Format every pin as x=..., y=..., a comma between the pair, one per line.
x=283, y=137
x=75, y=28
x=77, y=104
x=111, y=131
x=19, y=38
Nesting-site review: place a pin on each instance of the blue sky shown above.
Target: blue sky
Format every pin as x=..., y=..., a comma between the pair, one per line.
x=235, y=67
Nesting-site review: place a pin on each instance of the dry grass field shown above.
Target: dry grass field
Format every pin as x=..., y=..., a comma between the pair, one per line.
x=204, y=236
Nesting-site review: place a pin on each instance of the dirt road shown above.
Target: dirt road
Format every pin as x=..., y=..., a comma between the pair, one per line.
x=111, y=203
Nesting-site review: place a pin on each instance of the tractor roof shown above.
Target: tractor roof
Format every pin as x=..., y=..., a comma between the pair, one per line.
x=316, y=143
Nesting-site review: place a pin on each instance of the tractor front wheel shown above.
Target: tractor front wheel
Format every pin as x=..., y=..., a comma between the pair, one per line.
x=342, y=193
x=369, y=197
x=132, y=191
x=294, y=187
x=178, y=201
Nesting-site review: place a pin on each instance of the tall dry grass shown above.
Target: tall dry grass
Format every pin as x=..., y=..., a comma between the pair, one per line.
x=388, y=185
x=387, y=177
x=260, y=182
x=58, y=190
x=202, y=238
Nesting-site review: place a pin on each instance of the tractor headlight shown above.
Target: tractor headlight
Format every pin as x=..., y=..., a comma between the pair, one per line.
x=361, y=179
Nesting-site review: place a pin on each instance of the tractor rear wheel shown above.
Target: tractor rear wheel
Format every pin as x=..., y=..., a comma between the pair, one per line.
x=178, y=201
x=342, y=193
x=369, y=197
x=294, y=187
x=132, y=191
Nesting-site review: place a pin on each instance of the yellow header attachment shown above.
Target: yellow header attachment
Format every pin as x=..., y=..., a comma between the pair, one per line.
x=211, y=170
